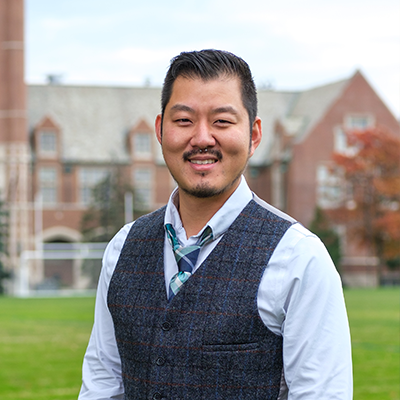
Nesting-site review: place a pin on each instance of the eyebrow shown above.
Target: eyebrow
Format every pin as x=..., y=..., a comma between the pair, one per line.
x=227, y=109
x=181, y=107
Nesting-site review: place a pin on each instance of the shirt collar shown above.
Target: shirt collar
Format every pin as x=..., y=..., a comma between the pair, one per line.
x=220, y=221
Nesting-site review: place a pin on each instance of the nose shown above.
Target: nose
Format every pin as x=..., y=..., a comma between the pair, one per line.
x=202, y=136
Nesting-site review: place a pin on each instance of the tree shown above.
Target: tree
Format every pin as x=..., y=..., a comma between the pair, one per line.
x=322, y=227
x=105, y=216
x=370, y=207
x=106, y=212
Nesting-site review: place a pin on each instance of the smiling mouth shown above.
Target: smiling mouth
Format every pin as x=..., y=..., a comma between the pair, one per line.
x=203, y=162
x=191, y=156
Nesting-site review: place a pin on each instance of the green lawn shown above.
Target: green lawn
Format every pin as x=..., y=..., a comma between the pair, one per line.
x=374, y=317
x=42, y=342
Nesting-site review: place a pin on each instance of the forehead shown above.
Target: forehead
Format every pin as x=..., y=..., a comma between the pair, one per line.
x=222, y=89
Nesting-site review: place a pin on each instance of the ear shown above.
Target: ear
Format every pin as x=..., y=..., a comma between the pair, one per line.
x=158, y=126
x=256, y=135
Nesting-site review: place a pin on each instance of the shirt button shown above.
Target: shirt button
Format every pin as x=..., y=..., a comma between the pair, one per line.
x=157, y=396
x=166, y=326
x=160, y=361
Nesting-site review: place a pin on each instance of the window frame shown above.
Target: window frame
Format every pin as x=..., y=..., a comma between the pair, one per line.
x=94, y=175
x=143, y=187
x=48, y=188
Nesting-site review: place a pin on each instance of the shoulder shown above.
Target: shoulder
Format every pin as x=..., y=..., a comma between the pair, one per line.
x=301, y=251
x=271, y=209
x=299, y=235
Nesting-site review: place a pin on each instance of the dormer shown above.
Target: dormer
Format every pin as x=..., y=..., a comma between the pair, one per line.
x=47, y=140
x=140, y=142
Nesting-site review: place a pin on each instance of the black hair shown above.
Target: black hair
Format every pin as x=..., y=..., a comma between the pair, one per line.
x=211, y=64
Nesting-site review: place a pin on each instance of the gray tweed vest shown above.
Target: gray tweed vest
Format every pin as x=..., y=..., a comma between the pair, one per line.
x=209, y=341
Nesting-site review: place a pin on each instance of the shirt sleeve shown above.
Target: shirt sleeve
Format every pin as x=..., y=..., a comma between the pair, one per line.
x=303, y=301
x=101, y=371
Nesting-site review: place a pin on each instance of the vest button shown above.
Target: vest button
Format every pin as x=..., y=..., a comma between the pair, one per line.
x=160, y=361
x=157, y=396
x=166, y=326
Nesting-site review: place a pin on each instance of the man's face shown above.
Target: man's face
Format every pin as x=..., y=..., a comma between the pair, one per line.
x=207, y=115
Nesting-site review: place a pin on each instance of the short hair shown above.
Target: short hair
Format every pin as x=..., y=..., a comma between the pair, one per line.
x=211, y=64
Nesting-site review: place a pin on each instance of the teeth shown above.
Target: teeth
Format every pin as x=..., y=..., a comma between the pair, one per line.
x=202, y=162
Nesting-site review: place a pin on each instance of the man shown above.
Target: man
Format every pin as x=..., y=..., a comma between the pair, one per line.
x=256, y=310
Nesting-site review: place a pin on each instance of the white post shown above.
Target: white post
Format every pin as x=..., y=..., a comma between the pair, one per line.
x=23, y=277
x=38, y=222
x=128, y=207
x=37, y=274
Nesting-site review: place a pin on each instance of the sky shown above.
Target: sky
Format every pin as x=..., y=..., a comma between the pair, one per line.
x=289, y=44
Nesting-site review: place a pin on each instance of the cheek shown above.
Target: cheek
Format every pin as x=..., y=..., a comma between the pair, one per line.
x=173, y=141
x=236, y=146
x=172, y=152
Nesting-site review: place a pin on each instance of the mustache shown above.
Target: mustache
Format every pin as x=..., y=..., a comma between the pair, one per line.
x=194, y=152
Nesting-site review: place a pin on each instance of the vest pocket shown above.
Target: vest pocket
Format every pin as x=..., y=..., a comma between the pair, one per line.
x=231, y=347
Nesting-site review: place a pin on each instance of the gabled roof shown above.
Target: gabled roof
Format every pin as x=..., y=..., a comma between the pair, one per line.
x=311, y=105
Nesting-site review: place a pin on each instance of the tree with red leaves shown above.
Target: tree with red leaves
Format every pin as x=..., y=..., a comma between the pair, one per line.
x=370, y=207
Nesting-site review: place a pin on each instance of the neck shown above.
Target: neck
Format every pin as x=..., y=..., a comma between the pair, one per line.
x=195, y=212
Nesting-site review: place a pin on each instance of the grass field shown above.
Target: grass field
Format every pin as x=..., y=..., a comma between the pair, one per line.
x=374, y=317
x=42, y=342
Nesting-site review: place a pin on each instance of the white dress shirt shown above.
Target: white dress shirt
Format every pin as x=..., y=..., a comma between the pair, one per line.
x=300, y=298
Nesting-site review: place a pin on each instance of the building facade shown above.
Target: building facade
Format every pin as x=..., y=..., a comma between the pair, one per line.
x=78, y=134
x=58, y=141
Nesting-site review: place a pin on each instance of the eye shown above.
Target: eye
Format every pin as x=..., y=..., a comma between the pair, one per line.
x=222, y=122
x=183, y=121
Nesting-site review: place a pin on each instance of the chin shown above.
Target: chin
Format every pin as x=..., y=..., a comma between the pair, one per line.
x=203, y=191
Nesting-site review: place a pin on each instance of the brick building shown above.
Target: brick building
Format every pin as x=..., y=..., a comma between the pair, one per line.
x=294, y=173
x=57, y=141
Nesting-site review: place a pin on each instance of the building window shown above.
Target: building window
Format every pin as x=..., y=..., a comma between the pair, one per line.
x=329, y=187
x=88, y=179
x=359, y=122
x=48, y=143
x=48, y=185
x=143, y=183
x=142, y=145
